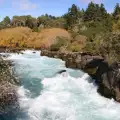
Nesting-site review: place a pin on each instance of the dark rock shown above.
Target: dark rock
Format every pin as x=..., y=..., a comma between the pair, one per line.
x=106, y=92
x=11, y=50
x=61, y=71
x=2, y=49
x=107, y=77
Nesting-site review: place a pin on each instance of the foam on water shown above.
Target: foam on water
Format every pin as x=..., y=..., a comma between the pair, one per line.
x=46, y=96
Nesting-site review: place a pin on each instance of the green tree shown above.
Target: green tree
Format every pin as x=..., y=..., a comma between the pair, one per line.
x=72, y=15
x=43, y=20
x=103, y=12
x=90, y=13
x=19, y=20
x=95, y=12
x=27, y=20
x=6, y=21
x=31, y=22
x=107, y=23
x=116, y=12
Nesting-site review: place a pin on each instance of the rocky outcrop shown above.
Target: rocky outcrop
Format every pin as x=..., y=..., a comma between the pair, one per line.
x=8, y=89
x=107, y=76
x=75, y=60
x=10, y=50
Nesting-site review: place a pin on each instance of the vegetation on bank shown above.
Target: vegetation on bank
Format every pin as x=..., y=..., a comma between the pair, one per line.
x=92, y=30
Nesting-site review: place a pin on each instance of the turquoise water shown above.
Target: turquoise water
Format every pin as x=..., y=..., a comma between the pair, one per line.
x=45, y=95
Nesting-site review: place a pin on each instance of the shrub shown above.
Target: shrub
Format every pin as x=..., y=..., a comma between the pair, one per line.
x=60, y=42
x=74, y=47
x=35, y=29
x=55, y=47
x=106, y=44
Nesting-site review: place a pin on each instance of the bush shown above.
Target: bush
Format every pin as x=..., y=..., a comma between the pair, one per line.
x=106, y=44
x=55, y=47
x=60, y=42
x=35, y=29
x=74, y=47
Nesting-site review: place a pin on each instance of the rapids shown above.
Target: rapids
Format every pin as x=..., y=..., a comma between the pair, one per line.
x=45, y=95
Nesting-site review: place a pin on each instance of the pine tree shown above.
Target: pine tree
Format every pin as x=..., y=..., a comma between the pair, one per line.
x=103, y=12
x=95, y=12
x=97, y=16
x=90, y=13
x=72, y=15
x=116, y=12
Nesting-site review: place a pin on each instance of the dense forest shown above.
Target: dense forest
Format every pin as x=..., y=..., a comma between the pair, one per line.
x=102, y=29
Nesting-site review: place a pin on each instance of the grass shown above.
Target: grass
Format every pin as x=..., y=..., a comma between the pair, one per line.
x=23, y=37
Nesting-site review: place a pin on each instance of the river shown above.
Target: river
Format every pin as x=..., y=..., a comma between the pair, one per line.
x=45, y=95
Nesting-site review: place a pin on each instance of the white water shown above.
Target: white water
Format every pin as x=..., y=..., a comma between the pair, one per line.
x=47, y=96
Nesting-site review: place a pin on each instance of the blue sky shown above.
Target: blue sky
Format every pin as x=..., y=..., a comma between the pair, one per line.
x=38, y=7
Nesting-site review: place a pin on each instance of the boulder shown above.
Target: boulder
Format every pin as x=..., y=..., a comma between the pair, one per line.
x=107, y=77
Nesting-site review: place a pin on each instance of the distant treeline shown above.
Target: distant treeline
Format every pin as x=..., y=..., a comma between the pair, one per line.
x=94, y=15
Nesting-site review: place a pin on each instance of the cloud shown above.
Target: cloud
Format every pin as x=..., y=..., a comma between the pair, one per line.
x=24, y=5
x=95, y=1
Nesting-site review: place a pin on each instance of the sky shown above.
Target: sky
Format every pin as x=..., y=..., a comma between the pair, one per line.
x=39, y=7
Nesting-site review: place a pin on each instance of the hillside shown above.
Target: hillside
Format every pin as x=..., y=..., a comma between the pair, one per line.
x=23, y=37
x=47, y=37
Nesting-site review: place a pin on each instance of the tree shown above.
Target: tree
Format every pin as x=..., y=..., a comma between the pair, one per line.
x=19, y=20
x=72, y=15
x=95, y=12
x=43, y=20
x=31, y=22
x=27, y=20
x=116, y=12
x=48, y=21
x=6, y=21
x=103, y=12
x=90, y=13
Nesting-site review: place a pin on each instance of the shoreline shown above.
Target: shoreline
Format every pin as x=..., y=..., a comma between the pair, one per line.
x=79, y=61
x=12, y=50
x=9, y=102
x=75, y=60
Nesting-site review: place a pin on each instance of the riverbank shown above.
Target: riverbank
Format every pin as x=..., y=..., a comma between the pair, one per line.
x=11, y=50
x=8, y=88
x=78, y=60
